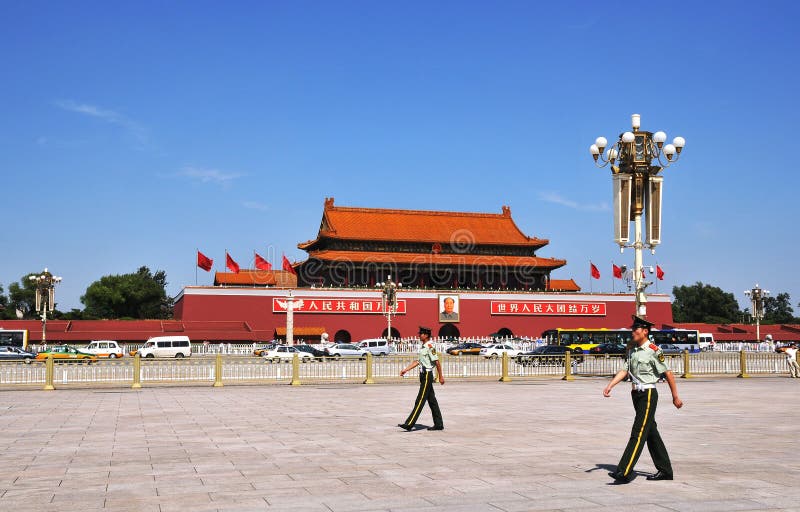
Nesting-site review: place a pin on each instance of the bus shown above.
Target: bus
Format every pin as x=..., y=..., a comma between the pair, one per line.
x=684, y=339
x=583, y=340
x=14, y=338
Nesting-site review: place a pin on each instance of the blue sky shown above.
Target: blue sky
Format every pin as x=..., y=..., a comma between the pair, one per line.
x=134, y=133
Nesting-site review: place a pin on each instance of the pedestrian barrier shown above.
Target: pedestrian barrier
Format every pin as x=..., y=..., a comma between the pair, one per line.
x=219, y=369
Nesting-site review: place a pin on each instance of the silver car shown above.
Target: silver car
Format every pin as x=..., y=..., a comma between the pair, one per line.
x=8, y=353
x=346, y=350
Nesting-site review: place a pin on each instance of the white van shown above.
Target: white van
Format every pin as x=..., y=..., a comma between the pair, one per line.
x=167, y=346
x=706, y=341
x=376, y=346
x=104, y=348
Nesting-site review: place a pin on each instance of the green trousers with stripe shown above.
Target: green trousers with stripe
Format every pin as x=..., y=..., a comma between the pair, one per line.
x=426, y=394
x=644, y=431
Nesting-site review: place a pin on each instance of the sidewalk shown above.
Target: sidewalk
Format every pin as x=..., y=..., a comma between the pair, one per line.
x=533, y=445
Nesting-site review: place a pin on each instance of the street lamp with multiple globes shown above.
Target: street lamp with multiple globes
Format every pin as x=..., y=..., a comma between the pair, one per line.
x=635, y=160
x=45, y=297
x=757, y=296
x=389, y=301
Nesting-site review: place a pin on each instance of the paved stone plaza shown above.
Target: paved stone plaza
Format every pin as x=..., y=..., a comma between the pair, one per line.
x=525, y=445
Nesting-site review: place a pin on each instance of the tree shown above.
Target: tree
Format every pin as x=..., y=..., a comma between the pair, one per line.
x=140, y=295
x=22, y=297
x=704, y=303
x=778, y=309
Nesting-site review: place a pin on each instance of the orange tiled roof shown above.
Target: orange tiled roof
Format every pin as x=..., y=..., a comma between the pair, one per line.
x=301, y=331
x=458, y=228
x=248, y=277
x=563, y=285
x=439, y=259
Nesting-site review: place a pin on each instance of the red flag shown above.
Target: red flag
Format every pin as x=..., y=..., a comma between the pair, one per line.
x=262, y=264
x=659, y=273
x=617, y=271
x=643, y=275
x=204, y=261
x=288, y=266
x=594, y=271
x=232, y=265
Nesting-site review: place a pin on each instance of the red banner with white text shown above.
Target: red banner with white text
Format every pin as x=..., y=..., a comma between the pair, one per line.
x=334, y=305
x=509, y=307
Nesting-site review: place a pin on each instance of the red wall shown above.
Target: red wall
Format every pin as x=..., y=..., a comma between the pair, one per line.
x=255, y=307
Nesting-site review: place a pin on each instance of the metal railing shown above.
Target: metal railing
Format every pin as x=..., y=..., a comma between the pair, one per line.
x=234, y=369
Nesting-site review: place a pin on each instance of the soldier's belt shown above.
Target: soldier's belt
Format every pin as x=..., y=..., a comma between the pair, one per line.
x=642, y=387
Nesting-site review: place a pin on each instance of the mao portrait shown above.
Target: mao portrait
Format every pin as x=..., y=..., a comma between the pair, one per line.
x=448, y=308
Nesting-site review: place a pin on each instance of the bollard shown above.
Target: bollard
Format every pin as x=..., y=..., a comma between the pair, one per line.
x=295, y=370
x=568, y=366
x=48, y=373
x=137, y=372
x=504, y=377
x=369, y=380
x=743, y=365
x=687, y=374
x=218, y=371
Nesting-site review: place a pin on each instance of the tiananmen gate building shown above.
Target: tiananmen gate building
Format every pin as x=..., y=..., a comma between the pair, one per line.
x=480, y=262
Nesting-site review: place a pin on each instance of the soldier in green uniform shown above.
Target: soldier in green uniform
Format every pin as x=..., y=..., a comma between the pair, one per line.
x=644, y=364
x=428, y=358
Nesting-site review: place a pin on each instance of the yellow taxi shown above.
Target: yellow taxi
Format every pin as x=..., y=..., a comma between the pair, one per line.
x=66, y=353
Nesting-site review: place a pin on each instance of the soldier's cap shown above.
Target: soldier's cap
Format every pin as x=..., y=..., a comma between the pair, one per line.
x=425, y=330
x=640, y=322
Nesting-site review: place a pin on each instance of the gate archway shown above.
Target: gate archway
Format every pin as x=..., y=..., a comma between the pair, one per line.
x=449, y=331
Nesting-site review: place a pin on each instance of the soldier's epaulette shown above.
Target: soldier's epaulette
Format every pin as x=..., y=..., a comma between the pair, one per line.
x=654, y=347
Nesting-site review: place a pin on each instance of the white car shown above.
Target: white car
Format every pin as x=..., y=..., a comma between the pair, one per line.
x=497, y=350
x=104, y=348
x=346, y=350
x=284, y=353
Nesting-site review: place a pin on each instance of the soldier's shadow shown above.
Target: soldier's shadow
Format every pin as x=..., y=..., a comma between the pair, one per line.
x=609, y=468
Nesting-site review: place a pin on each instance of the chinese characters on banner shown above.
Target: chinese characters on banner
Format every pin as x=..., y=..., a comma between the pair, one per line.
x=335, y=305
x=506, y=307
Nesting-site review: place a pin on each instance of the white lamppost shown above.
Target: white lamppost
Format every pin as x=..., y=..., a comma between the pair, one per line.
x=757, y=296
x=45, y=297
x=637, y=189
x=389, y=301
x=289, y=319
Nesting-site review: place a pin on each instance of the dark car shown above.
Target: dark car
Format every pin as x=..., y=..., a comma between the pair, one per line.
x=465, y=348
x=614, y=349
x=318, y=354
x=8, y=353
x=546, y=355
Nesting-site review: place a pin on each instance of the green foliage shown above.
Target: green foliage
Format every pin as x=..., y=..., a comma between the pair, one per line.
x=21, y=296
x=778, y=310
x=140, y=295
x=704, y=303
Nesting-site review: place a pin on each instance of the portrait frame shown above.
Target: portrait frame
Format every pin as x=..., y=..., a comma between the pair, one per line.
x=444, y=316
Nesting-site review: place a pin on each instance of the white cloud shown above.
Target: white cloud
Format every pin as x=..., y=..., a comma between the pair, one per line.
x=209, y=175
x=133, y=129
x=555, y=198
x=255, y=205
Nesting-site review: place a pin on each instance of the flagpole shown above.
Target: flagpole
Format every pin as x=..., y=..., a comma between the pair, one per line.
x=591, y=277
x=195, y=265
x=657, y=279
x=612, y=277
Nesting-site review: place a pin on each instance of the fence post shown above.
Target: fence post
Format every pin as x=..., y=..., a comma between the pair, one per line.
x=48, y=374
x=218, y=371
x=743, y=365
x=504, y=377
x=295, y=370
x=137, y=371
x=687, y=374
x=369, y=380
x=568, y=366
